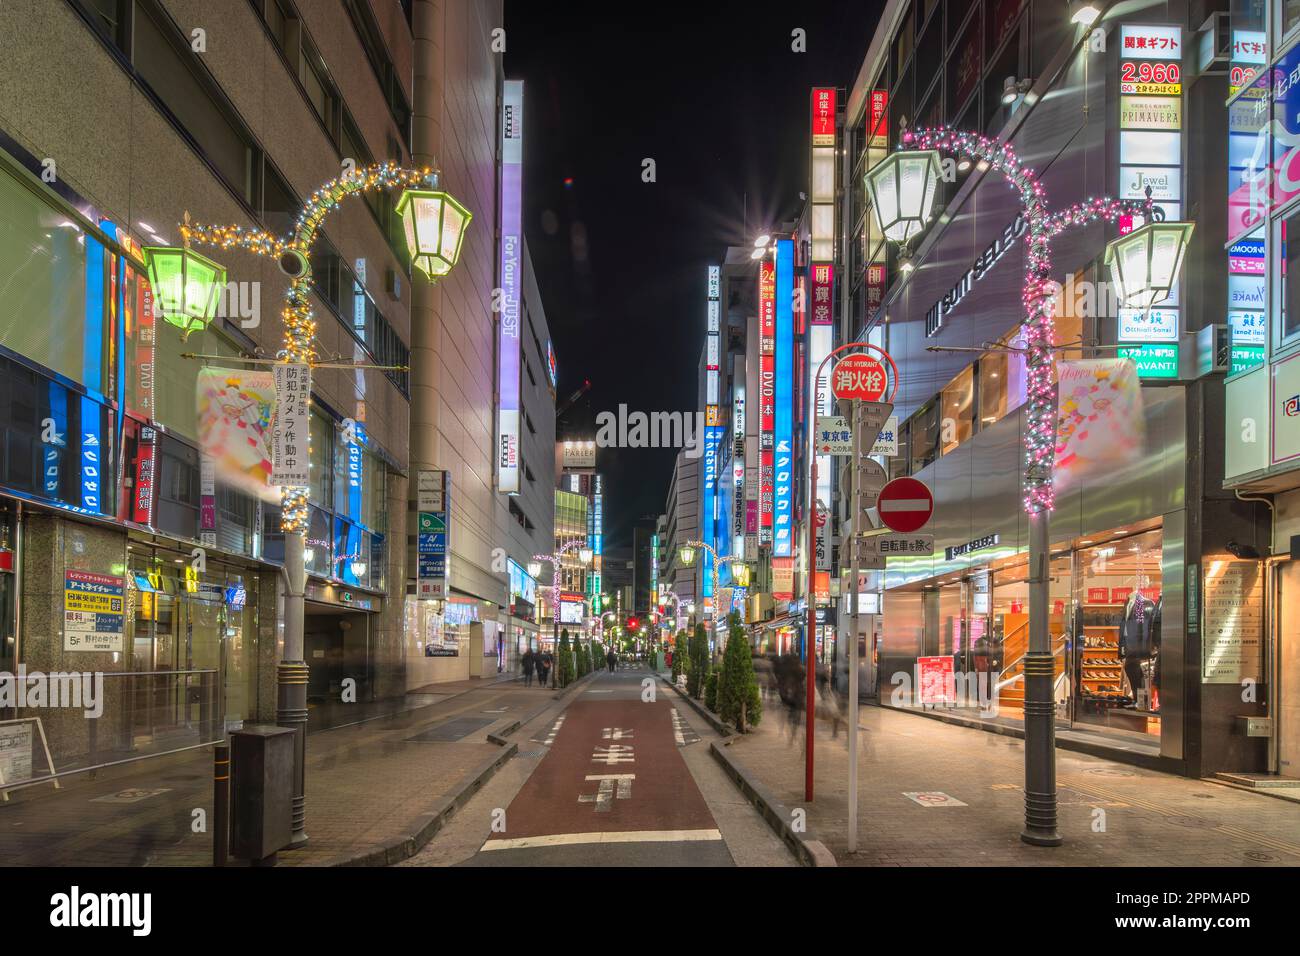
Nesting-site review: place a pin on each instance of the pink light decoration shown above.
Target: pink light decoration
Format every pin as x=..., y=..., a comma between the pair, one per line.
x=1038, y=291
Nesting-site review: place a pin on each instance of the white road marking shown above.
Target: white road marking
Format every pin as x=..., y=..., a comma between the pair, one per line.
x=614, y=753
x=622, y=836
x=615, y=733
x=603, y=797
x=600, y=692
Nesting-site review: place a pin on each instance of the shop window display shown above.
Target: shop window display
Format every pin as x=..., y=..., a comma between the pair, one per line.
x=1116, y=619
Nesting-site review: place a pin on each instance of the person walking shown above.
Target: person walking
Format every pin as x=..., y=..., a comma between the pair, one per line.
x=611, y=660
x=543, y=667
x=530, y=663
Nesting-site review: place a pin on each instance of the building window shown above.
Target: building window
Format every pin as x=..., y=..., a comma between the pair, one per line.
x=957, y=405
x=176, y=79
x=1286, y=285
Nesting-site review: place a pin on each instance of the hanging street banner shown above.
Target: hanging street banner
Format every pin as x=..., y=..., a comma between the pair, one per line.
x=236, y=409
x=289, y=455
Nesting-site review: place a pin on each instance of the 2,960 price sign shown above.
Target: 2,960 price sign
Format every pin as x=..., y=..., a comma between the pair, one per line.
x=1151, y=77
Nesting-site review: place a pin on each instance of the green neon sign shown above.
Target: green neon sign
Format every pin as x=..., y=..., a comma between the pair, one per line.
x=1153, y=361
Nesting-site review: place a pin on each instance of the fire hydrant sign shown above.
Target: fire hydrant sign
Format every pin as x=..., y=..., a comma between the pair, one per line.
x=93, y=612
x=859, y=377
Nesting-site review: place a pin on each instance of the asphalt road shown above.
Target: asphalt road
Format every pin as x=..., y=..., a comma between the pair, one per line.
x=611, y=789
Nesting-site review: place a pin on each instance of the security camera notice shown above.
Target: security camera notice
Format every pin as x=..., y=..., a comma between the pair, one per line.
x=1191, y=909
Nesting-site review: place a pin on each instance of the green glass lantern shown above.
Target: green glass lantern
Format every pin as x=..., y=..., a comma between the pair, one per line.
x=186, y=286
x=687, y=555
x=435, y=226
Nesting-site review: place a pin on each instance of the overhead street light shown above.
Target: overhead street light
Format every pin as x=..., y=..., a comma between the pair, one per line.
x=1144, y=264
x=186, y=286
x=903, y=187
x=435, y=228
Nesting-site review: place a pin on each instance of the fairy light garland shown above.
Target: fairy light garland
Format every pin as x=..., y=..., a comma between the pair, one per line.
x=299, y=317
x=1038, y=291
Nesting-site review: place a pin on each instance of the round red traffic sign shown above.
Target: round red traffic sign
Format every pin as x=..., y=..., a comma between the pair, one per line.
x=905, y=505
x=859, y=376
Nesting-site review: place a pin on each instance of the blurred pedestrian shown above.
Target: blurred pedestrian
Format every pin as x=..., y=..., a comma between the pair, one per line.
x=530, y=663
x=794, y=692
x=543, y=667
x=611, y=660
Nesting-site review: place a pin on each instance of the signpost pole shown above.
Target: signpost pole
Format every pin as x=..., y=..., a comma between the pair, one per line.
x=858, y=452
x=810, y=628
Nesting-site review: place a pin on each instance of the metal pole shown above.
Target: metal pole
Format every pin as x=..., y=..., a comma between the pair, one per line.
x=809, y=628
x=1040, y=707
x=220, y=802
x=291, y=676
x=853, y=628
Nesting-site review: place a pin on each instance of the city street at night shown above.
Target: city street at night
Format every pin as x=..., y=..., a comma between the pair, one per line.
x=448, y=437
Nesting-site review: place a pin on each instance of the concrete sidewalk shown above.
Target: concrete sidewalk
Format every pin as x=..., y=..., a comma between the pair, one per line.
x=1111, y=814
x=370, y=783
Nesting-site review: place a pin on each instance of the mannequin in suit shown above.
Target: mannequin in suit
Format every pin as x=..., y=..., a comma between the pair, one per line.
x=1135, y=637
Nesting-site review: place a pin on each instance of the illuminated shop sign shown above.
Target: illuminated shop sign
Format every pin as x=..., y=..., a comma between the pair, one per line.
x=766, y=394
x=1153, y=361
x=959, y=550
x=783, y=434
x=512, y=239
x=1151, y=157
x=978, y=270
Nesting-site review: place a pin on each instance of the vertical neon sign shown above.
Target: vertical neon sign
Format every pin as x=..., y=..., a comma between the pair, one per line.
x=512, y=241
x=766, y=395
x=783, y=427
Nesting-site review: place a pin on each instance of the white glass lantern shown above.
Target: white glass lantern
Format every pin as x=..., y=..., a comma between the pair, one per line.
x=1144, y=264
x=534, y=569
x=903, y=187
x=435, y=226
x=585, y=555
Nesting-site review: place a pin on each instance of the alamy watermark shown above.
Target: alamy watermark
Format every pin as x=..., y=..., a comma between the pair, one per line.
x=78, y=690
x=624, y=429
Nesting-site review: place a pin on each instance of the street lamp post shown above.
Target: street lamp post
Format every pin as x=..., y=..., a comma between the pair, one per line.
x=435, y=226
x=687, y=555
x=555, y=559
x=1145, y=264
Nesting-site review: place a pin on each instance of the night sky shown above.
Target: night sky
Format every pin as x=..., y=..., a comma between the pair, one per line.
x=712, y=91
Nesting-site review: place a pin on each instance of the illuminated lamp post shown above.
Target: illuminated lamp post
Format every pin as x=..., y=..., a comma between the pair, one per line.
x=555, y=559
x=435, y=224
x=1146, y=261
x=687, y=555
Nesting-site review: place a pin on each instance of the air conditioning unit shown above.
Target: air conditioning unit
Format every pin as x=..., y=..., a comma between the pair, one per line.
x=1213, y=350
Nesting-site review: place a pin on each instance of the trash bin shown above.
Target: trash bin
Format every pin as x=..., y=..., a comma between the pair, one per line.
x=261, y=791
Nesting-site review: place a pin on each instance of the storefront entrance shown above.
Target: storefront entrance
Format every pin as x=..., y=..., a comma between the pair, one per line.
x=336, y=645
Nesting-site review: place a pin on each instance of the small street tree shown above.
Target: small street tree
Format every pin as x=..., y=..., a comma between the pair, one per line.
x=565, y=676
x=739, y=702
x=699, y=655
x=679, y=655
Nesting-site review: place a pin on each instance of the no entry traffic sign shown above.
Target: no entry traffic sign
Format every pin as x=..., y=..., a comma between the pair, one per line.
x=859, y=376
x=905, y=504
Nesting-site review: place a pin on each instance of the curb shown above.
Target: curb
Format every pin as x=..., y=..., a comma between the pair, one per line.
x=719, y=727
x=1132, y=758
x=807, y=850
x=443, y=810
